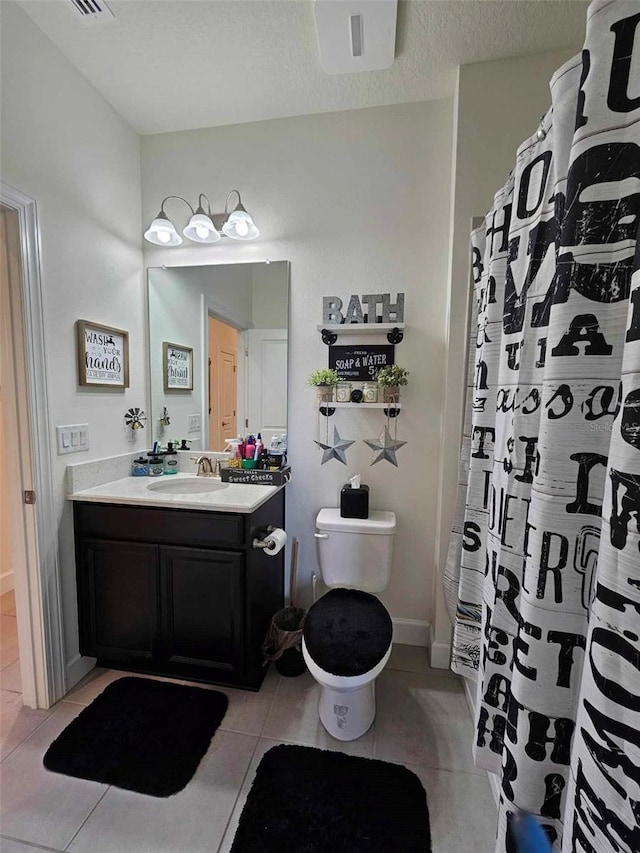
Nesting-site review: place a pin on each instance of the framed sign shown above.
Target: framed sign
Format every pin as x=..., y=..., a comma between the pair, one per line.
x=362, y=362
x=103, y=355
x=177, y=367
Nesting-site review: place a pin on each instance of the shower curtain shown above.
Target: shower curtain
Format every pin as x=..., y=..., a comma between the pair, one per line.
x=543, y=574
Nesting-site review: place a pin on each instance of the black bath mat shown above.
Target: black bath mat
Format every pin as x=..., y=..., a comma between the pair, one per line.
x=306, y=800
x=142, y=735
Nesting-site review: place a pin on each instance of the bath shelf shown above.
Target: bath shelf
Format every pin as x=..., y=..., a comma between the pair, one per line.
x=393, y=331
x=393, y=410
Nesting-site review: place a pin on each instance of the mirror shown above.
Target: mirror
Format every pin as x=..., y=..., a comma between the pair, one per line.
x=218, y=352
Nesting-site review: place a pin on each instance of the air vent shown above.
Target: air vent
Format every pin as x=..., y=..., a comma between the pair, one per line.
x=356, y=35
x=92, y=11
x=355, y=22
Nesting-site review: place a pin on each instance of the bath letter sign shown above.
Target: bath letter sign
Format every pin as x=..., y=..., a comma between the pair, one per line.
x=390, y=312
x=103, y=355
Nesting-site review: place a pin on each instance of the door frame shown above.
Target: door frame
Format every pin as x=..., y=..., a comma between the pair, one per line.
x=219, y=352
x=211, y=308
x=30, y=467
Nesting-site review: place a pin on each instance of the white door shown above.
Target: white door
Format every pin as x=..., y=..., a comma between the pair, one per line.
x=266, y=382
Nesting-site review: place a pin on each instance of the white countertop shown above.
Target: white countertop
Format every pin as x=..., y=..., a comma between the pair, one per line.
x=235, y=497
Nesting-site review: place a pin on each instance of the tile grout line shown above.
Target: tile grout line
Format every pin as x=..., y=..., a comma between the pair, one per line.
x=75, y=834
x=237, y=797
x=26, y=738
x=275, y=695
x=246, y=772
x=32, y=844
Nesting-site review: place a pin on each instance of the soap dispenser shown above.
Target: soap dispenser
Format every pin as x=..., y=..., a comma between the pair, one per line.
x=354, y=499
x=170, y=461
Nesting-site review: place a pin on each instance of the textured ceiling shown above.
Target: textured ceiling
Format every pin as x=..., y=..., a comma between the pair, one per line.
x=169, y=65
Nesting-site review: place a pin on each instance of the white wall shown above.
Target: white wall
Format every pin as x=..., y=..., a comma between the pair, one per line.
x=497, y=106
x=64, y=146
x=6, y=567
x=270, y=298
x=6, y=563
x=359, y=203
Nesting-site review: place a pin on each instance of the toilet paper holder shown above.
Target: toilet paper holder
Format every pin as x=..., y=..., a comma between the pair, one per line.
x=265, y=531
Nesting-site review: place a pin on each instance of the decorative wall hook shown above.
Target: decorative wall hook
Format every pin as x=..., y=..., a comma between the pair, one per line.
x=135, y=418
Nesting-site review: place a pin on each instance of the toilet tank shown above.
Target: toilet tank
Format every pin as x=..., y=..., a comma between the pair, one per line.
x=355, y=552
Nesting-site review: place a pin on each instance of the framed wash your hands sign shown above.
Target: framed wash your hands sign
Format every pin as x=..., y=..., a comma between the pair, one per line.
x=177, y=367
x=103, y=355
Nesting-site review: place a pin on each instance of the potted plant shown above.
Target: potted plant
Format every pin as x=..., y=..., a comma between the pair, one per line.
x=325, y=381
x=390, y=378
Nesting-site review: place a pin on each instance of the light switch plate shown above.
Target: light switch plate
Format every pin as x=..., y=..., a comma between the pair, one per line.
x=194, y=423
x=72, y=438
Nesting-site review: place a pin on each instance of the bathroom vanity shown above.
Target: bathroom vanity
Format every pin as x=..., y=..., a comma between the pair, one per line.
x=172, y=585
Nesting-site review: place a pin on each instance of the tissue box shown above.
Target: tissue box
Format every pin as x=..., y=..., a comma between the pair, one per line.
x=354, y=503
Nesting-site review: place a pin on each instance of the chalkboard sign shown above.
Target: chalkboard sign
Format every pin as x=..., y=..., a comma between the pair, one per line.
x=360, y=363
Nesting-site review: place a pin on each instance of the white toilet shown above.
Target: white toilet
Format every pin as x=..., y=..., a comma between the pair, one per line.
x=348, y=632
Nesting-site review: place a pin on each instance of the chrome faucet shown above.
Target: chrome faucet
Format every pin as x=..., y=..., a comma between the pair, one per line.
x=205, y=468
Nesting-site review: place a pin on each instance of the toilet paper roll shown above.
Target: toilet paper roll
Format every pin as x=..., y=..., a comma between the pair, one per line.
x=275, y=541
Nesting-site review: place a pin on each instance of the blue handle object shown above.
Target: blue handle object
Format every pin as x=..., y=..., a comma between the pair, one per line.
x=530, y=835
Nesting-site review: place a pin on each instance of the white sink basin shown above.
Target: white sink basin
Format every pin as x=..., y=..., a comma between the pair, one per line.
x=188, y=486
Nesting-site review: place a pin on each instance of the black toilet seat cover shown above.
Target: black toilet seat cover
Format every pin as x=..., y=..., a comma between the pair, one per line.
x=347, y=632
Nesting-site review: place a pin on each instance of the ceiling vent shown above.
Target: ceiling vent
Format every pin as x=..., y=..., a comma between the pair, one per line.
x=92, y=11
x=356, y=35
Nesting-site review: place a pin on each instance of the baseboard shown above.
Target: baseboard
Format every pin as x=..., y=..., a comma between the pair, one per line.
x=410, y=632
x=495, y=787
x=77, y=668
x=6, y=582
x=469, y=693
x=440, y=653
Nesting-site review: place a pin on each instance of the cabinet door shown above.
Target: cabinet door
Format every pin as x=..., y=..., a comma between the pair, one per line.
x=118, y=588
x=202, y=594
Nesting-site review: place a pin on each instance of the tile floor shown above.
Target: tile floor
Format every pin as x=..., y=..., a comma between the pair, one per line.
x=422, y=721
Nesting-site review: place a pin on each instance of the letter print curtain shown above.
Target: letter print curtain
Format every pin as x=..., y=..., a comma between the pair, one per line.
x=544, y=564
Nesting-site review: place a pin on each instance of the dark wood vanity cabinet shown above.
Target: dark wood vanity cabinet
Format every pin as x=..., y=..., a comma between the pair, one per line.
x=177, y=592
x=119, y=589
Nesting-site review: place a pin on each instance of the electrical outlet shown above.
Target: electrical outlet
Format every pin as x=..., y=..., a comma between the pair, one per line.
x=72, y=438
x=194, y=423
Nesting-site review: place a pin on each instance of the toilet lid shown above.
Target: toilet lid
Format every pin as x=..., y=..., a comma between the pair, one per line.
x=347, y=632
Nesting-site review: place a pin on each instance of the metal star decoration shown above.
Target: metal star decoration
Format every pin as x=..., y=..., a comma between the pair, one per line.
x=335, y=451
x=386, y=448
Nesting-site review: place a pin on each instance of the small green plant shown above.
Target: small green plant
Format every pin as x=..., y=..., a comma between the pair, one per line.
x=323, y=378
x=392, y=376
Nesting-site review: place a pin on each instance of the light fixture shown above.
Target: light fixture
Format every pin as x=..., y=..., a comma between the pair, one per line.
x=162, y=231
x=239, y=225
x=203, y=227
